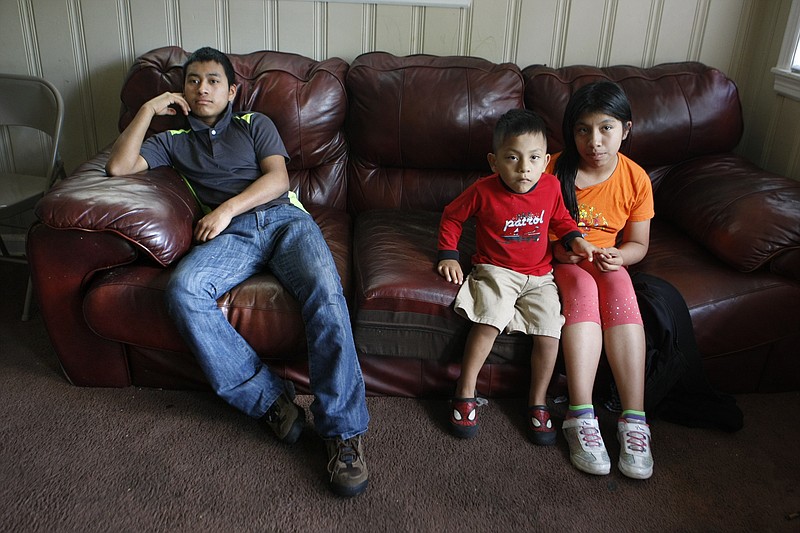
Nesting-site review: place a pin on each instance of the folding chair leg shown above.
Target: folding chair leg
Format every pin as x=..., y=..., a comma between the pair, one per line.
x=26, y=310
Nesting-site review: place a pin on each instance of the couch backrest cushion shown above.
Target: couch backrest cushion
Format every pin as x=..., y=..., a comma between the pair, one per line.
x=420, y=126
x=305, y=98
x=680, y=110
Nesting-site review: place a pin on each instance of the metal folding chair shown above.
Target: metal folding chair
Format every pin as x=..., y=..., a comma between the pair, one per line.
x=31, y=115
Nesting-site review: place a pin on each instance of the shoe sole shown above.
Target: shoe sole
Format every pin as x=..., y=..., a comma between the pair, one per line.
x=542, y=439
x=349, y=492
x=589, y=468
x=636, y=473
x=463, y=432
x=296, y=430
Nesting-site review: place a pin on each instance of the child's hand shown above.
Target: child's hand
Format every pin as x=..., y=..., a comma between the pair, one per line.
x=450, y=269
x=608, y=259
x=584, y=248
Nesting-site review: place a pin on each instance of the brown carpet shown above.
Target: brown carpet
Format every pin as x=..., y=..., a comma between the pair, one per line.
x=82, y=459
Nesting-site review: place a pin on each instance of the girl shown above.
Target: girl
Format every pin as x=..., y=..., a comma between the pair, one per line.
x=611, y=199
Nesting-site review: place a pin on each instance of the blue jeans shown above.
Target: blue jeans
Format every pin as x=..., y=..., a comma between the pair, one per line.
x=288, y=243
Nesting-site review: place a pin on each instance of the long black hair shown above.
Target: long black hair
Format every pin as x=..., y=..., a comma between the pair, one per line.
x=604, y=97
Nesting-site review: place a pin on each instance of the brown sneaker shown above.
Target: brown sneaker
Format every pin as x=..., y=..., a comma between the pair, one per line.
x=346, y=466
x=285, y=417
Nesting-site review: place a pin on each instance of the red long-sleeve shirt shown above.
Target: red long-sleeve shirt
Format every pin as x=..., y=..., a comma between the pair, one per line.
x=511, y=228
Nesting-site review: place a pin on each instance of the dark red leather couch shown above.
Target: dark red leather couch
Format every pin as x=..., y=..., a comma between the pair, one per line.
x=378, y=148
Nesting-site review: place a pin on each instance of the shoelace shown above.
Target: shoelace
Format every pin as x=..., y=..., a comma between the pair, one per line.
x=592, y=437
x=274, y=413
x=636, y=441
x=346, y=452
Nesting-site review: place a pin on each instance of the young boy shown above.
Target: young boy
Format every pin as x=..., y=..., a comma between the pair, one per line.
x=511, y=285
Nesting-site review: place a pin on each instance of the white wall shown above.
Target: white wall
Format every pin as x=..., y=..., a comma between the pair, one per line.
x=85, y=46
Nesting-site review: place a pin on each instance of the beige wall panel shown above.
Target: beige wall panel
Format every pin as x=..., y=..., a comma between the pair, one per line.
x=675, y=33
x=721, y=31
x=149, y=25
x=760, y=102
x=58, y=59
x=346, y=31
x=296, y=27
x=249, y=26
x=198, y=21
x=582, y=45
x=12, y=41
x=487, y=35
x=443, y=32
x=783, y=153
x=85, y=46
x=393, y=29
x=630, y=33
x=537, y=32
x=104, y=64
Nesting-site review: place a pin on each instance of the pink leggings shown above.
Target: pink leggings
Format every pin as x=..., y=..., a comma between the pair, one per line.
x=588, y=295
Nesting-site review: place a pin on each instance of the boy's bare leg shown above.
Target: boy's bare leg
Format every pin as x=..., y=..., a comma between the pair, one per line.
x=479, y=343
x=543, y=361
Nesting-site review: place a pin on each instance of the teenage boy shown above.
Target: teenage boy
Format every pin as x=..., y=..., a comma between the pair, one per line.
x=236, y=165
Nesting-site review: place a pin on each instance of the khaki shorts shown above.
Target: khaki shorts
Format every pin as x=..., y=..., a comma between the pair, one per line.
x=510, y=301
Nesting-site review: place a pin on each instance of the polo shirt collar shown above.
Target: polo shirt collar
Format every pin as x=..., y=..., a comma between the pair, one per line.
x=198, y=125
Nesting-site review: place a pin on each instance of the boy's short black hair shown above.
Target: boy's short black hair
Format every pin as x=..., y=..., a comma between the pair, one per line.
x=516, y=122
x=205, y=54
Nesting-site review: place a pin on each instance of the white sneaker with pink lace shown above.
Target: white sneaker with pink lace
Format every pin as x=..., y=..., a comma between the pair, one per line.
x=587, y=451
x=635, y=456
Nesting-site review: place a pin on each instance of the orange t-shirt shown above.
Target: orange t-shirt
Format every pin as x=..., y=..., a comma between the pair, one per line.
x=604, y=209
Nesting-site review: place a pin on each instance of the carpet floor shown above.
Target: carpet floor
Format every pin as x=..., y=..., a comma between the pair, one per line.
x=133, y=459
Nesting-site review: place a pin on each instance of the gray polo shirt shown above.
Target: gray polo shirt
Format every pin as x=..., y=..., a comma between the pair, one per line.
x=219, y=161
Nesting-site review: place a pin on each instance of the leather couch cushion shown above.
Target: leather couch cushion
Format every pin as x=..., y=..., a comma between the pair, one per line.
x=420, y=126
x=717, y=294
x=719, y=201
x=404, y=308
x=680, y=110
x=153, y=211
x=126, y=304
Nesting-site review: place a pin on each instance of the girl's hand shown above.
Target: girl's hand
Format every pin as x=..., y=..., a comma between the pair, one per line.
x=608, y=259
x=450, y=269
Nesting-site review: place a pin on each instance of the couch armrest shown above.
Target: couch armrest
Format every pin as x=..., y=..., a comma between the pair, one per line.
x=741, y=213
x=153, y=210
x=787, y=264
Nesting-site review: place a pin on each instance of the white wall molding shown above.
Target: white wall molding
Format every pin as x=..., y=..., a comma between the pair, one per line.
x=560, y=33
x=172, y=18
x=82, y=74
x=31, y=40
x=369, y=23
x=127, y=46
x=513, y=16
x=607, y=33
x=653, y=32
x=271, y=24
x=465, y=23
x=222, y=21
x=698, y=30
x=417, y=44
x=320, y=31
